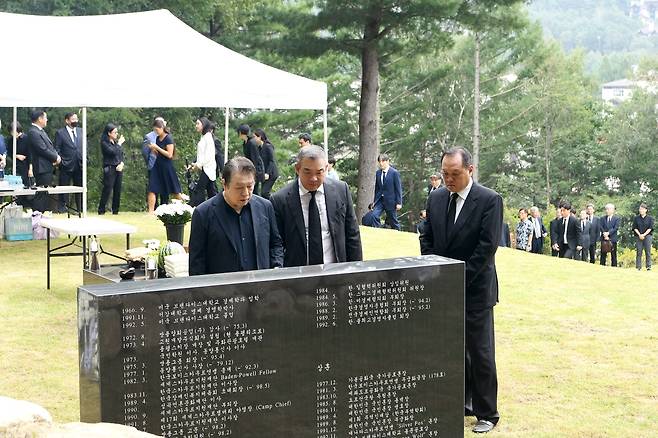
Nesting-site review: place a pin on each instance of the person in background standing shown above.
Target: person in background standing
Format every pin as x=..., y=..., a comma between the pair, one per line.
x=304, y=140
x=23, y=163
x=205, y=160
x=164, y=179
x=111, y=147
x=250, y=151
x=568, y=231
x=435, y=183
x=609, y=232
x=643, y=229
x=538, y=231
x=505, y=239
x=594, y=232
x=219, y=152
x=44, y=157
x=149, y=159
x=266, y=151
x=388, y=192
x=524, y=231
x=553, y=228
x=331, y=173
x=68, y=143
x=584, y=242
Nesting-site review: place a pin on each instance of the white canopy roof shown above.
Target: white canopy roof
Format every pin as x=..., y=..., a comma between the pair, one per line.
x=144, y=59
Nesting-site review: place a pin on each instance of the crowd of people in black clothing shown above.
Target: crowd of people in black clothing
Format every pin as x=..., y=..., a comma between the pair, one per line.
x=578, y=235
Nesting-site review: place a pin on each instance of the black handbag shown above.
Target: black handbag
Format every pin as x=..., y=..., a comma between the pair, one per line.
x=606, y=246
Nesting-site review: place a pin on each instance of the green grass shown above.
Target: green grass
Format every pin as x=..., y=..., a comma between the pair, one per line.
x=576, y=343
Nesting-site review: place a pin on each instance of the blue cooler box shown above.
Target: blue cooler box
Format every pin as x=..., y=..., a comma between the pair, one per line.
x=18, y=228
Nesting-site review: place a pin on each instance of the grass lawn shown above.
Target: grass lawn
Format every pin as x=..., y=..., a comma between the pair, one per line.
x=577, y=344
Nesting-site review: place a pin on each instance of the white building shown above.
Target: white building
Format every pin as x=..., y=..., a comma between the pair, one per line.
x=616, y=92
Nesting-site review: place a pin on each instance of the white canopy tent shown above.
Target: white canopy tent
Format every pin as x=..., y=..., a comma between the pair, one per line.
x=143, y=59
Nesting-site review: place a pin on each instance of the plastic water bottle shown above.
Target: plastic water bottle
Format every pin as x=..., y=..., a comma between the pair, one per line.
x=93, y=247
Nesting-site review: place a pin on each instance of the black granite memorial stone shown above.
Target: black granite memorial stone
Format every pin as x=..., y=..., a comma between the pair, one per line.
x=367, y=349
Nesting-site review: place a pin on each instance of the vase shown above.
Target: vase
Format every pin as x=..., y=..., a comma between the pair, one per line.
x=175, y=232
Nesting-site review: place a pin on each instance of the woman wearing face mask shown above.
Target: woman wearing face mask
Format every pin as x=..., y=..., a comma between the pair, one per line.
x=205, y=159
x=266, y=149
x=111, y=147
x=164, y=179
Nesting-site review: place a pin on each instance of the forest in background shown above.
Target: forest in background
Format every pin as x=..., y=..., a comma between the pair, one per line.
x=542, y=130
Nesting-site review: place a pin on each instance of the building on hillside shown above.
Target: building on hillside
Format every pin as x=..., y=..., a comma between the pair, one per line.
x=647, y=11
x=616, y=92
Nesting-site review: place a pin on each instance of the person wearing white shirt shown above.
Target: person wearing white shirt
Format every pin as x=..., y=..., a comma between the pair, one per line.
x=205, y=162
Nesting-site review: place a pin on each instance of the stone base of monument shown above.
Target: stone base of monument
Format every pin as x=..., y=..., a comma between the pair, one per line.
x=21, y=419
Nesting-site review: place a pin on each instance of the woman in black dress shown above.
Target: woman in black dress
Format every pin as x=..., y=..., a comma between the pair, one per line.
x=266, y=150
x=163, y=177
x=111, y=147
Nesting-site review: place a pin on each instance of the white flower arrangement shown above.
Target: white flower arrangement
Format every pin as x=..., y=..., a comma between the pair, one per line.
x=174, y=213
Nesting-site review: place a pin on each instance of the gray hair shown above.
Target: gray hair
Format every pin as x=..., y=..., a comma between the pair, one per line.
x=534, y=209
x=311, y=152
x=609, y=205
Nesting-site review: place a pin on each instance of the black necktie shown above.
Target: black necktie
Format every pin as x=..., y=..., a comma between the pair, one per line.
x=75, y=137
x=383, y=177
x=315, y=252
x=452, y=212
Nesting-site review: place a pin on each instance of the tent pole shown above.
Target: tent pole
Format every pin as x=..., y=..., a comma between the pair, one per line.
x=84, y=162
x=14, y=143
x=226, y=114
x=326, y=133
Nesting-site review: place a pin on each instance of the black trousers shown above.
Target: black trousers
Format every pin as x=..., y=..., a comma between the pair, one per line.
x=205, y=189
x=111, y=183
x=65, y=179
x=537, y=245
x=592, y=253
x=481, y=379
x=267, y=187
x=41, y=200
x=613, y=255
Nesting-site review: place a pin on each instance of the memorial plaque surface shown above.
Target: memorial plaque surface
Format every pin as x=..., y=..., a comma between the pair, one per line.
x=367, y=349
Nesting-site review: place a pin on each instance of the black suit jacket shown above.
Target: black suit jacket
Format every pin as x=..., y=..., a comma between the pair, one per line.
x=213, y=251
x=391, y=191
x=42, y=151
x=573, y=233
x=250, y=150
x=585, y=232
x=474, y=239
x=343, y=225
x=70, y=152
x=553, y=231
x=269, y=160
x=595, y=230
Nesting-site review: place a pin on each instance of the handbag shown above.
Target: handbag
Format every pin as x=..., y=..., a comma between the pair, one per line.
x=606, y=246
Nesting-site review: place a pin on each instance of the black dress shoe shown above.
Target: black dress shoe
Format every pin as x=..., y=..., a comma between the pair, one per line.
x=468, y=413
x=483, y=426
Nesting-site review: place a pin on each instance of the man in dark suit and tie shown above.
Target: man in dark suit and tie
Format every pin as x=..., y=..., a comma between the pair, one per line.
x=250, y=151
x=235, y=230
x=435, y=183
x=43, y=154
x=594, y=232
x=388, y=192
x=538, y=231
x=464, y=222
x=583, y=242
x=68, y=143
x=609, y=231
x=315, y=215
x=568, y=232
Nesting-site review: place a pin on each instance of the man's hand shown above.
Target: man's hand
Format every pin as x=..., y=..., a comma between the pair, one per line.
x=267, y=176
x=398, y=206
x=579, y=247
x=556, y=247
x=58, y=160
x=641, y=236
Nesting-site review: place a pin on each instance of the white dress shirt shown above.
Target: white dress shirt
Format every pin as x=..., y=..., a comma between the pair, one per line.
x=205, y=156
x=71, y=133
x=535, y=221
x=462, y=197
x=566, y=224
x=327, y=242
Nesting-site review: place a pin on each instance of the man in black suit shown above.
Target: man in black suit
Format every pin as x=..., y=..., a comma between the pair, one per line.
x=594, y=232
x=250, y=151
x=610, y=232
x=553, y=226
x=568, y=233
x=68, y=143
x=435, y=183
x=464, y=222
x=315, y=215
x=538, y=231
x=388, y=192
x=43, y=154
x=235, y=231
x=583, y=242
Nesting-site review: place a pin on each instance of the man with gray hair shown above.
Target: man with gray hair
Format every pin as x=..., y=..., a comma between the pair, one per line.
x=594, y=231
x=315, y=215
